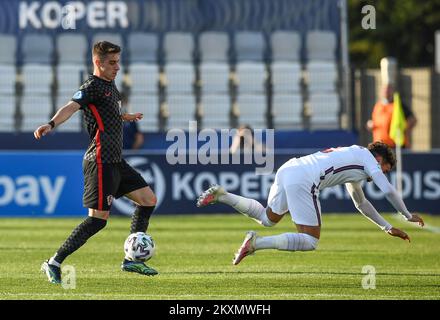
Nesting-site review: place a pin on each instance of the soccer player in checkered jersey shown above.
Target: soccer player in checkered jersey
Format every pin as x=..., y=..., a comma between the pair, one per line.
x=106, y=174
x=296, y=189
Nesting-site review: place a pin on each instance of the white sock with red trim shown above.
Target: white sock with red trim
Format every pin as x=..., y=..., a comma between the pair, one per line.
x=249, y=207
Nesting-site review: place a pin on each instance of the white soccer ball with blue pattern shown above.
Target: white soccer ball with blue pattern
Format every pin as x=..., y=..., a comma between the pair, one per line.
x=139, y=246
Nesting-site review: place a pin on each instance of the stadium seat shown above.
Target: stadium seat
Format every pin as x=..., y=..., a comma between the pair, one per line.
x=148, y=104
x=37, y=49
x=181, y=110
x=144, y=78
x=287, y=111
x=321, y=68
x=180, y=78
x=321, y=45
x=251, y=77
x=37, y=64
x=37, y=79
x=7, y=65
x=250, y=68
x=286, y=77
x=142, y=47
x=214, y=46
x=7, y=49
x=179, y=46
x=249, y=46
x=286, y=66
x=322, y=76
x=71, y=68
x=214, y=77
x=252, y=110
x=7, y=79
x=7, y=113
x=69, y=79
x=216, y=109
x=37, y=74
x=36, y=110
x=325, y=109
x=72, y=49
x=214, y=66
x=179, y=68
x=7, y=82
x=285, y=45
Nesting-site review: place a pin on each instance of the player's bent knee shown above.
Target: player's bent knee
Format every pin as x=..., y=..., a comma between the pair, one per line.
x=103, y=215
x=148, y=201
x=266, y=222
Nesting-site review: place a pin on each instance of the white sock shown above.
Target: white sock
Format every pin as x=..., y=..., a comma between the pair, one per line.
x=248, y=207
x=288, y=242
x=53, y=262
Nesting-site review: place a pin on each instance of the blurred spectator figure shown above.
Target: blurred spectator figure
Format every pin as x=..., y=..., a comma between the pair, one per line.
x=244, y=141
x=133, y=138
x=380, y=121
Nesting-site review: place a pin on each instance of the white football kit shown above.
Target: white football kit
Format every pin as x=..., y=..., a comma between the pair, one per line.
x=298, y=182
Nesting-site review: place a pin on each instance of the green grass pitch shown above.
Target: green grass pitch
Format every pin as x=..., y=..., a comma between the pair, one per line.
x=194, y=255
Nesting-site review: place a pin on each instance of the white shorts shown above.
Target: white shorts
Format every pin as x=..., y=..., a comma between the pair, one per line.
x=295, y=190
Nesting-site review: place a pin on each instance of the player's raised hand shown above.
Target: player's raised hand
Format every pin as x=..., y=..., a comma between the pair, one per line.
x=399, y=233
x=42, y=131
x=418, y=219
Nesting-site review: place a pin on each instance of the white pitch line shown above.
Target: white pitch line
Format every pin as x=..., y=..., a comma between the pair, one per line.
x=208, y=296
x=426, y=227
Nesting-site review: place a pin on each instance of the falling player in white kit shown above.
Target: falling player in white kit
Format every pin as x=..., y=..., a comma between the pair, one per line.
x=296, y=189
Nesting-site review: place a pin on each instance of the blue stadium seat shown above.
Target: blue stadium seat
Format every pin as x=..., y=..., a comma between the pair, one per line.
x=216, y=109
x=214, y=79
x=286, y=65
x=325, y=109
x=37, y=74
x=7, y=82
x=72, y=51
x=321, y=67
x=287, y=111
x=251, y=77
x=144, y=78
x=179, y=67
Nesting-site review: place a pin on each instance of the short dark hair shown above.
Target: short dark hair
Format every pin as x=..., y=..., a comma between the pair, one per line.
x=383, y=150
x=103, y=48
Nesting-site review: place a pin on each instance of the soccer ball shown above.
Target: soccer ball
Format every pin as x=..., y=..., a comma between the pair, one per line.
x=139, y=246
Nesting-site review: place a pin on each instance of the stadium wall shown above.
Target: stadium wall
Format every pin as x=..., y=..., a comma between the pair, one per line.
x=50, y=184
x=284, y=139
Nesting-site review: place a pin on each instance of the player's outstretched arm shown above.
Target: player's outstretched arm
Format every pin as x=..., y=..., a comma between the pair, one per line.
x=62, y=115
x=394, y=198
x=365, y=207
x=132, y=116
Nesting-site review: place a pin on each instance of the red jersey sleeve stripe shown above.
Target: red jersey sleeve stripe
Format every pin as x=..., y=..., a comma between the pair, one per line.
x=97, y=117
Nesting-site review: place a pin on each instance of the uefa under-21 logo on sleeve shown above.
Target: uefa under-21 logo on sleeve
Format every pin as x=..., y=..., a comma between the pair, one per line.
x=78, y=95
